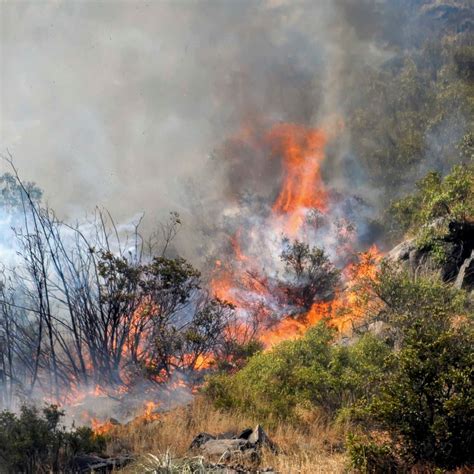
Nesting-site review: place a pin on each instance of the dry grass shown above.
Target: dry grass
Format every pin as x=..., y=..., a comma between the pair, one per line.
x=309, y=450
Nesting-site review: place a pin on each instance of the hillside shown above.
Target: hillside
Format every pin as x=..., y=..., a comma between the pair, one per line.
x=237, y=237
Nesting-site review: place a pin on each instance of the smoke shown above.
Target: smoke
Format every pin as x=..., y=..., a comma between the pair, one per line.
x=159, y=106
x=142, y=106
x=117, y=103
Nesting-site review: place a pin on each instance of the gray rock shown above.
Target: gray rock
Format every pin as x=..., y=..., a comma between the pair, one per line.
x=243, y=450
x=245, y=433
x=258, y=437
x=458, y=247
x=380, y=329
x=465, y=278
x=223, y=449
x=201, y=439
x=90, y=463
x=402, y=251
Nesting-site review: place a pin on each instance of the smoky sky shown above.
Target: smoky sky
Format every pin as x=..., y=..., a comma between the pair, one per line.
x=121, y=104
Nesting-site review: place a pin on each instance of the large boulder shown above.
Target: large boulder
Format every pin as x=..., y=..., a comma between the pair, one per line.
x=259, y=438
x=402, y=252
x=200, y=440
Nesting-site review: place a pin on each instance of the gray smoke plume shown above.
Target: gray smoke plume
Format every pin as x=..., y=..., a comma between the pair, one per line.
x=123, y=104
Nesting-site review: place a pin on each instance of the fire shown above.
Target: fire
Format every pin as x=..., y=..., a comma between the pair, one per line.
x=102, y=427
x=360, y=275
x=303, y=188
x=349, y=306
x=250, y=278
x=287, y=329
x=242, y=279
x=150, y=412
x=239, y=255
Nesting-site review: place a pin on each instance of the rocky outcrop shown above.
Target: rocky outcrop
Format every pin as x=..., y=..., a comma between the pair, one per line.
x=458, y=265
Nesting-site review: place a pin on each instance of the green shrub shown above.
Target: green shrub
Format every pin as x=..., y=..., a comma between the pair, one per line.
x=307, y=373
x=33, y=443
x=427, y=400
x=440, y=200
x=368, y=457
x=409, y=302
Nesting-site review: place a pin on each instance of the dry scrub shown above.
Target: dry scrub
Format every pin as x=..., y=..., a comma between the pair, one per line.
x=313, y=448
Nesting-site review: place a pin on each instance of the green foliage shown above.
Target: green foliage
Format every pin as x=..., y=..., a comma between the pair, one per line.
x=427, y=400
x=409, y=302
x=410, y=113
x=368, y=457
x=34, y=443
x=174, y=276
x=237, y=354
x=426, y=214
x=451, y=198
x=302, y=374
x=466, y=147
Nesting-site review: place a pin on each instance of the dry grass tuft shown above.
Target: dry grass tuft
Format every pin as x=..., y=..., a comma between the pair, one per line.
x=313, y=448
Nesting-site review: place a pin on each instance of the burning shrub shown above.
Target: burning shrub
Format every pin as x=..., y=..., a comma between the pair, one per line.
x=310, y=373
x=311, y=276
x=33, y=443
x=192, y=346
x=87, y=309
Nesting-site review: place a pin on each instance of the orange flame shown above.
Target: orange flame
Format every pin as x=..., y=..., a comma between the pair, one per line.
x=349, y=306
x=101, y=427
x=303, y=188
x=301, y=150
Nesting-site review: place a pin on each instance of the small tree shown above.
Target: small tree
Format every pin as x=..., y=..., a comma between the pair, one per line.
x=427, y=213
x=310, y=276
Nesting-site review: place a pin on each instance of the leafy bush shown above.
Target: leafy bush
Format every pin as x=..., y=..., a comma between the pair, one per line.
x=369, y=457
x=33, y=443
x=427, y=213
x=237, y=354
x=306, y=373
x=409, y=302
x=427, y=400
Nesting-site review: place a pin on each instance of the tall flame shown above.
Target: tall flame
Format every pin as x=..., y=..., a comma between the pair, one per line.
x=303, y=152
